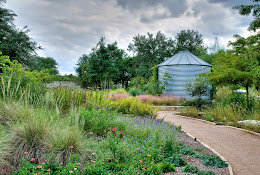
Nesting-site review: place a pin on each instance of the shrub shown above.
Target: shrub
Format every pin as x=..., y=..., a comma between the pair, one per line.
x=99, y=121
x=190, y=112
x=133, y=106
x=198, y=103
x=137, y=82
x=135, y=92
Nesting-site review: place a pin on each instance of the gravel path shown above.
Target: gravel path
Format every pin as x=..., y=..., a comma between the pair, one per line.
x=241, y=149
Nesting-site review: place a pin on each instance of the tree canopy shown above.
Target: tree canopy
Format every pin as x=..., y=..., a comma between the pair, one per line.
x=191, y=41
x=149, y=51
x=102, y=66
x=15, y=42
x=41, y=63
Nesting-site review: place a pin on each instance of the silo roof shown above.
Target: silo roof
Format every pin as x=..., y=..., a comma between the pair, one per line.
x=184, y=58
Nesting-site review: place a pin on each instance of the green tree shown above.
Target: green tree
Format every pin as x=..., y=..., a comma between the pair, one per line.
x=190, y=40
x=198, y=86
x=253, y=9
x=149, y=51
x=41, y=63
x=102, y=66
x=15, y=42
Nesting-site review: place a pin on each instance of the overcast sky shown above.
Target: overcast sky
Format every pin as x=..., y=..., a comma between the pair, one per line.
x=67, y=29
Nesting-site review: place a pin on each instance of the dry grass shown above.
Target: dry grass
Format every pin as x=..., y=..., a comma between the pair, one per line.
x=163, y=100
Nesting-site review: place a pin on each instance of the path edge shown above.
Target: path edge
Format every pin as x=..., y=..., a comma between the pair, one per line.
x=215, y=152
x=213, y=123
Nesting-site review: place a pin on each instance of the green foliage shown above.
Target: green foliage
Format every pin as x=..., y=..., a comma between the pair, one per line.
x=198, y=86
x=205, y=173
x=52, y=167
x=135, y=92
x=137, y=82
x=156, y=87
x=98, y=121
x=102, y=66
x=197, y=103
x=190, y=40
x=177, y=160
x=253, y=9
x=133, y=107
x=118, y=91
x=15, y=42
x=150, y=50
x=41, y=63
x=190, y=112
x=214, y=161
x=190, y=169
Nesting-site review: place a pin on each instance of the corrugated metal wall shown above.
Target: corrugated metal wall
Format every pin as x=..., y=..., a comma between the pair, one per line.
x=180, y=74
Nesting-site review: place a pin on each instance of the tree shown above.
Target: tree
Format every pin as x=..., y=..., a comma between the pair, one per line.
x=150, y=51
x=101, y=66
x=41, y=63
x=253, y=9
x=15, y=42
x=232, y=69
x=190, y=40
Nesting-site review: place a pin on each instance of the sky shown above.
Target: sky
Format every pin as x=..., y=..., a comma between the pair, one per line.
x=67, y=29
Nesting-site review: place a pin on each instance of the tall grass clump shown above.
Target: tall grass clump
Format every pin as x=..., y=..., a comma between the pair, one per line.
x=30, y=136
x=133, y=107
x=5, y=146
x=65, y=140
x=190, y=112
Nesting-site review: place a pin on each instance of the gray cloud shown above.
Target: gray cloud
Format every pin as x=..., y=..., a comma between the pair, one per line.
x=148, y=9
x=67, y=29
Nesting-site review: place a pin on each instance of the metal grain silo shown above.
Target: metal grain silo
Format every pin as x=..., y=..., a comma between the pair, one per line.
x=182, y=67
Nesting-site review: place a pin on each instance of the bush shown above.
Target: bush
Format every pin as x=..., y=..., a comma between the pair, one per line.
x=190, y=112
x=135, y=92
x=198, y=103
x=137, y=82
x=99, y=121
x=133, y=106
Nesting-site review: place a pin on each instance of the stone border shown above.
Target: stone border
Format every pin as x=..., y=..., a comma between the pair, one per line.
x=215, y=152
x=213, y=123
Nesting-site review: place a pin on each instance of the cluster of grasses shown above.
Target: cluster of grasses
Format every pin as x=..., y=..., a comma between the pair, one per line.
x=62, y=131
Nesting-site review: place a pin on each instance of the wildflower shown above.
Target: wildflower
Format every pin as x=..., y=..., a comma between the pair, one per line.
x=120, y=132
x=48, y=170
x=109, y=127
x=32, y=159
x=149, y=155
x=137, y=173
x=50, y=146
x=133, y=157
x=71, y=146
x=85, y=106
x=138, y=148
x=114, y=128
x=43, y=163
x=159, y=154
x=70, y=171
x=75, y=168
x=126, y=149
x=131, y=166
x=61, y=163
x=143, y=168
x=93, y=161
x=93, y=154
x=78, y=163
x=90, y=132
x=140, y=161
x=39, y=166
x=108, y=132
x=123, y=134
x=25, y=152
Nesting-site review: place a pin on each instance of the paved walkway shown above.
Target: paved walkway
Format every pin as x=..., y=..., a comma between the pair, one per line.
x=241, y=149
